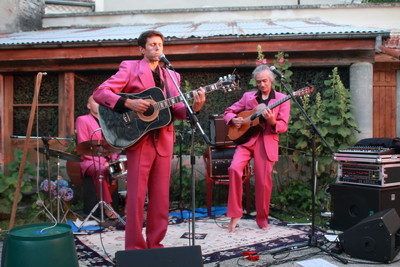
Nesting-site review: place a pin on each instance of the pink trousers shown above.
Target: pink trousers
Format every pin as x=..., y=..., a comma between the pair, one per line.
x=263, y=181
x=148, y=173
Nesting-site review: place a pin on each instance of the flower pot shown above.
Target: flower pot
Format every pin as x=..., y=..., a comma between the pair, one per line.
x=40, y=245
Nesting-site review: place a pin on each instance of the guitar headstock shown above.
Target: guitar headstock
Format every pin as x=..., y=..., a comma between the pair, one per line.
x=305, y=90
x=228, y=83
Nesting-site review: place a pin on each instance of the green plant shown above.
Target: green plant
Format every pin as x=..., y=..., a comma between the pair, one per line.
x=330, y=112
x=181, y=188
x=295, y=196
x=183, y=129
x=8, y=183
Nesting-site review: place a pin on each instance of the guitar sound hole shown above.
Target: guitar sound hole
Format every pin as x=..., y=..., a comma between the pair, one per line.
x=149, y=111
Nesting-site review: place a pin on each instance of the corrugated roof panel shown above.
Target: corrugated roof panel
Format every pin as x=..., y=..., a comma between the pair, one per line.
x=183, y=31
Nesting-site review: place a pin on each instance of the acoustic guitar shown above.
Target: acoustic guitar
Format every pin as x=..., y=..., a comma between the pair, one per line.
x=252, y=124
x=122, y=129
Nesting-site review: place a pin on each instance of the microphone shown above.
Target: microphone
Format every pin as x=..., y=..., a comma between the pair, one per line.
x=165, y=60
x=276, y=72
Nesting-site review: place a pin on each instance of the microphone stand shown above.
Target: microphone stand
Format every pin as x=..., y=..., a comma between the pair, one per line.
x=46, y=152
x=312, y=242
x=180, y=205
x=195, y=123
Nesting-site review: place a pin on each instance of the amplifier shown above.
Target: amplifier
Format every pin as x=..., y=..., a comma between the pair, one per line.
x=219, y=131
x=221, y=158
x=381, y=175
x=367, y=158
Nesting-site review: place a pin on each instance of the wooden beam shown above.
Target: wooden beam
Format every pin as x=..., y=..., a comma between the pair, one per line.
x=310, y=59
x=2, y=115
x=185, y=49
x=66, y=101
x=390, y=52
x=8, y=117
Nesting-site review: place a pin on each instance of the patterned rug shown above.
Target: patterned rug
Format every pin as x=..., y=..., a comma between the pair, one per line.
x=217, y=244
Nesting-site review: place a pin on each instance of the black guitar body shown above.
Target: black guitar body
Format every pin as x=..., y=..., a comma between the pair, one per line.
x=123, y=129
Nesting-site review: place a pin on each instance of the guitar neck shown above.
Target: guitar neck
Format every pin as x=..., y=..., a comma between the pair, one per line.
x=177, y=99
x=306, y=90
x=277, y=103
x=280, y=101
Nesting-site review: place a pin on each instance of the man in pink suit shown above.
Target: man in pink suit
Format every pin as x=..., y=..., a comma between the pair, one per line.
x=87, y=129
x=262, y=146
x=149, y=159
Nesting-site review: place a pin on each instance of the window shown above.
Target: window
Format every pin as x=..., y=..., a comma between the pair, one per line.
x=47, y=109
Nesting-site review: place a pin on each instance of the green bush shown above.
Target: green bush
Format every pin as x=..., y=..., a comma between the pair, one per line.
x=8, y=183
x=330, y=112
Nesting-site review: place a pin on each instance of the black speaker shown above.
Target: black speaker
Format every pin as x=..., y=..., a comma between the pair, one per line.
x=165, y=257
x=375, y=238
x=352, y=203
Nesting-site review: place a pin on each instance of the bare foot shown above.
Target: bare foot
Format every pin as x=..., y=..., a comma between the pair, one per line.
x=110, y=214
x=232, y=224
x=265, y=228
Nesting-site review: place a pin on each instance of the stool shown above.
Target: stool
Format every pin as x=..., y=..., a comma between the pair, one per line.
x=217, y=160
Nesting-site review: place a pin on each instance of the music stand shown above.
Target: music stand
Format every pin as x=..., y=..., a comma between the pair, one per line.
x=99, y=148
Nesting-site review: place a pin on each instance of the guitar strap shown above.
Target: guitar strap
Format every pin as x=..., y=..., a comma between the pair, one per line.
x=157, y=79
x=165, y=83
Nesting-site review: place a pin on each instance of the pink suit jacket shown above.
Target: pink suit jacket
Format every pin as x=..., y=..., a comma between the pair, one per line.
x=135, y=76
x=270, y=134
x=86, y=127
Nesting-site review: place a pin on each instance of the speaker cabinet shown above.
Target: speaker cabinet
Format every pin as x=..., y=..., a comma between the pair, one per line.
x=375, y=238
x=165, y=257
x=219, y=131
x=221, y=158
x=353, y=203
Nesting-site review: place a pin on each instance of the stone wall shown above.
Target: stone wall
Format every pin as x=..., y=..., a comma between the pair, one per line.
x=21, y=15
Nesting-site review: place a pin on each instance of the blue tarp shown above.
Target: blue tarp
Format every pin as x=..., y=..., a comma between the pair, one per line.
x=199, y=212
x=75, y=229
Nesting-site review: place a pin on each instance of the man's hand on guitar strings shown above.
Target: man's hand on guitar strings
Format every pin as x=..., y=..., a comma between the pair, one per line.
x=270, y=116
x=237, y=121
x=199, y=98
x=137, y=105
